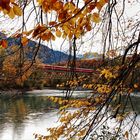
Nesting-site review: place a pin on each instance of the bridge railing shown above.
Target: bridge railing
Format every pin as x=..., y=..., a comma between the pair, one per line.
x=66, y=69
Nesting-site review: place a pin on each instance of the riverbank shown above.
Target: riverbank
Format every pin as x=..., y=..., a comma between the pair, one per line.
x=11, y=92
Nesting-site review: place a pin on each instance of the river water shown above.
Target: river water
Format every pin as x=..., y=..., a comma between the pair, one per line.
x=20, y=117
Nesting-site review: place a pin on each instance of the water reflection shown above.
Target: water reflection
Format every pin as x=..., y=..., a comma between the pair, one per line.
x=17, y=113
x=135, y=102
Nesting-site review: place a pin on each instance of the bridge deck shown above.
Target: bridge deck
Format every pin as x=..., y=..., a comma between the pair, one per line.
x=61, y=68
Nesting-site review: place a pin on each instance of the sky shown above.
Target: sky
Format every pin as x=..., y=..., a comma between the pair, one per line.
x=88, y=45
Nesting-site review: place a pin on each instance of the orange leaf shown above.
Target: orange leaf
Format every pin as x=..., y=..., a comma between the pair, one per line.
x=4, y=43
x=91, y=6
x=5, y=5
x=24, y=41
x=103, y=2
x=58, y=5
x=28, y=33
x=52, y=23
x=88, y=27
x=17, y=10
x=87, y=1
x=62, y=16
x=11, y=14
x=99, y=6
x=45, y=36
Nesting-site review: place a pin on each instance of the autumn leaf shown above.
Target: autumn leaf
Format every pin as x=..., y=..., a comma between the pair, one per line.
x=119, y=117
x=58, y=5
x=87, y=1
x=45, y=37
x=52, y=23
x=12, y=1
x=98, y=6
x=38, y=30
x=82, y=132
x=24, y=41
x=91, y=6
x=126, y=134
x=28, y=32
x=58, y=33
x=69, y=6
x=103, y=2
x=88, y=27
x=96, y=18
x=62, y=16
x=135, y=85
x=53, y=1
x=3, y=43
x=40, y=2
x=5, y=5
x=11, y=14
x=66, y=29
x=17, y=10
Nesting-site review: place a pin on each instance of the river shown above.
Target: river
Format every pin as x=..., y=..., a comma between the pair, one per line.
x=22, y=116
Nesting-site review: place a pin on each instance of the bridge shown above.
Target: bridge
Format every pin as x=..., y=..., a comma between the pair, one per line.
x=52, y=68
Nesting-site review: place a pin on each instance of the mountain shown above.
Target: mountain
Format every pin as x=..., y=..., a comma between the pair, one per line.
x=90, y=56
x=47, y=55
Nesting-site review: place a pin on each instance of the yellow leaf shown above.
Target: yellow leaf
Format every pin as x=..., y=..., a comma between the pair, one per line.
x=119, y=118
x=102, y=2
x=24, y=41
x=64, y=35
x=73, y=21
x=66, y=29
x=96, y=18
x=5, y=11
x=12, y=1
x=40, y=2
x=97, y=99
x=11, y=14
x=70, y=6
x=70, y=35
x=82, y=132
x=58, y=33
x=126, y=134
x=17, y=10
x=77, y=34
x=28, y=33
x=135, y=85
